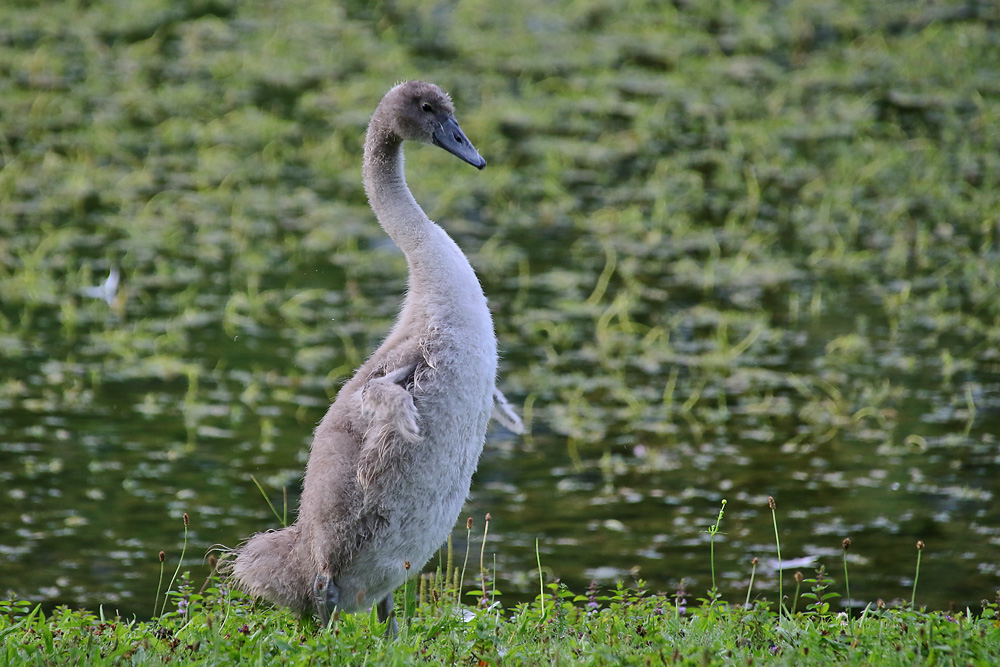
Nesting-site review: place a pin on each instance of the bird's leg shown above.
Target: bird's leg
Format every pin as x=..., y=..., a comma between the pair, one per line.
x=387, y=612
x=327, y=597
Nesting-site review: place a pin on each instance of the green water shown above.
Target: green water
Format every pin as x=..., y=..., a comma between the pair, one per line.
x=733, y=250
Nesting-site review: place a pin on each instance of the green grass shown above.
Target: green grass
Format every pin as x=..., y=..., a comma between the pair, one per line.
x=620, y=626
x=214, y=625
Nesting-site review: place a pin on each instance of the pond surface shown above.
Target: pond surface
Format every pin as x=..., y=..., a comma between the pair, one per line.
x=769, y=272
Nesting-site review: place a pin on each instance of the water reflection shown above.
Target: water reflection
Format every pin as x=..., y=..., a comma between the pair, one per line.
x=96, y=476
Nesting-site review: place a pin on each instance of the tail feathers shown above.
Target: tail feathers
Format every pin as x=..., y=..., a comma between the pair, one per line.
x=277, y=566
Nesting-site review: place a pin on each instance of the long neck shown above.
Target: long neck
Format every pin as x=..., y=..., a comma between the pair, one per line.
x=439, y=271
x=385, y=184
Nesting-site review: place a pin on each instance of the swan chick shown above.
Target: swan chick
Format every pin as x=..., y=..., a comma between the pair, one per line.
x=391, y=462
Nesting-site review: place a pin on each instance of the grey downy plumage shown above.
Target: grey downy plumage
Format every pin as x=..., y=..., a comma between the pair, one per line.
x=391, y=462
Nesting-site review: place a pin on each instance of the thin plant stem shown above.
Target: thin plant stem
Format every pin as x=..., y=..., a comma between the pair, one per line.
x=482, y=554
x=678, y=596
x=159, y=584
x=753, y=571
x=213, y=564
x=468, y=545
x=449, y=564
x=179, y=562
x=493, y=583
x=277, y=516
x=847, y=580
x=541, y=580
x=777, y=544
x=422, y=587
x=916, y=576
x=406, y=588
x=712, y=532
x=711, y=558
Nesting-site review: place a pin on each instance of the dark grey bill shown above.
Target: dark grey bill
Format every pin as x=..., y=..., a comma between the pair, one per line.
x=450, y=137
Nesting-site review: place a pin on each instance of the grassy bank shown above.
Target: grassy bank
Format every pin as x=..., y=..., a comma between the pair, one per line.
x=444, y=620
x=559, y=627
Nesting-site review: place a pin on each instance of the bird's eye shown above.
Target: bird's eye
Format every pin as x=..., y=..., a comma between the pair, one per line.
x=426, y=107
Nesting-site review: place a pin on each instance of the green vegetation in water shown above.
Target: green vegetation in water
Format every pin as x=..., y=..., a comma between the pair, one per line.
x=217, y=626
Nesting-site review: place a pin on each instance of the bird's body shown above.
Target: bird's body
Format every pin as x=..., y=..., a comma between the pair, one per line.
x=392, y=461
